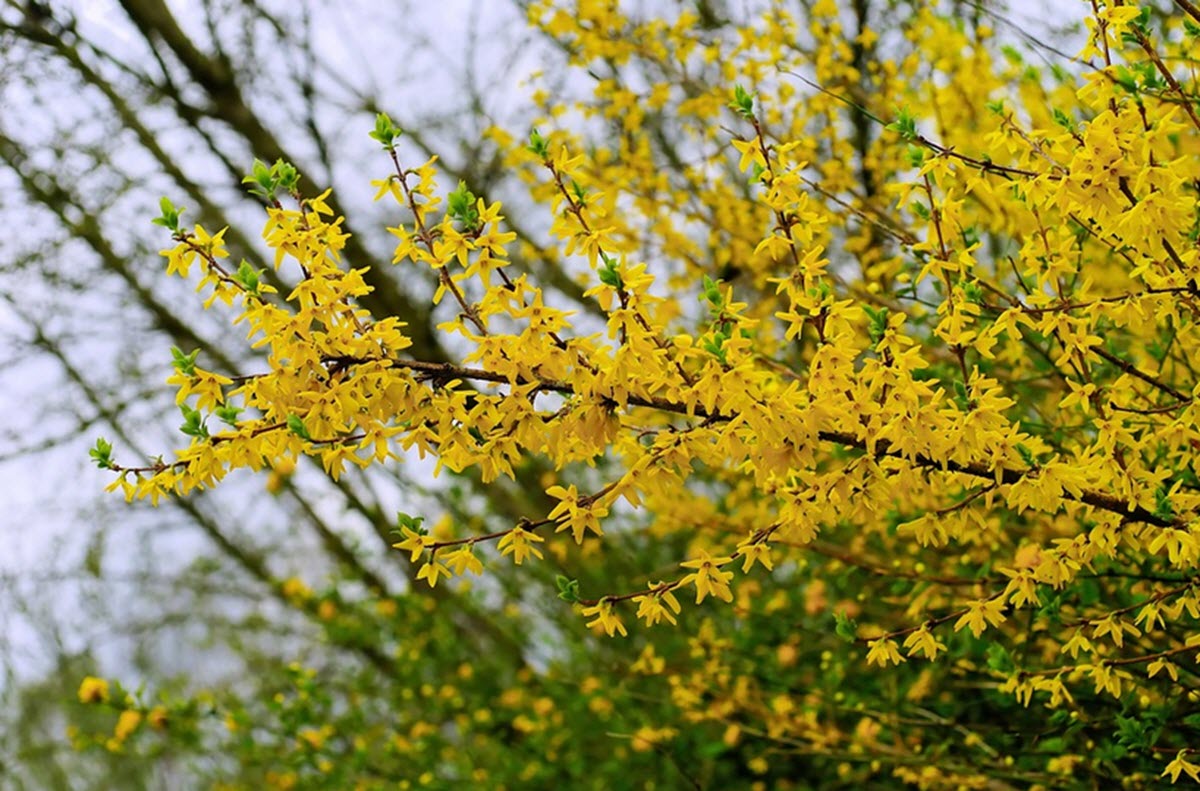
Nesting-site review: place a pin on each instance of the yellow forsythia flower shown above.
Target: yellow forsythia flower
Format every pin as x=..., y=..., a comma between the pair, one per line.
x=93, y=690
x=157, y=717
x=127, y=723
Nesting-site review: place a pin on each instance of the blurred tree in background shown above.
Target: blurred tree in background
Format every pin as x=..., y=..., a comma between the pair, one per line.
x=105, y=108
x=279, y=639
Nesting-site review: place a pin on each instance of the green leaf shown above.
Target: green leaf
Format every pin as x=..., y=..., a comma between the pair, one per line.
x=170, y=215
x=285, y=176
x=1052, y=746
x=228, y=413
x=716, y=346
x=1148, y=76
x=877, y=323
x=248, y=276
x=296, y=426
x=1163, y=508
x=973, y=292
x=1137, y=733
x=915, y=156
x=266, y=181
x=568, y=589
x=999, y=660
x=461, y=207
x=1051, y=610
x=101, y=453
x=538, y=144
x=846, y=628
x=184, y=363
x=193, y=422
x=1063, y=120
x=1125, y=79
x=609, y=274
x=260, y=180
x=743, y=102
x=1026, y=455
x=385, y=132
x=904, y=125
x=413, y=523
x=712, y=293
x=1141, y=22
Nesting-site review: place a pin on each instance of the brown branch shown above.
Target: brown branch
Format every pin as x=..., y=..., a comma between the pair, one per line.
x=1003, y=475
x=1132, y=370
x=1168, y=76
x=1190, y=9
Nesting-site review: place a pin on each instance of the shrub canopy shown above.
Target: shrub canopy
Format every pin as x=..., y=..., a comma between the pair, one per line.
x=867, y=453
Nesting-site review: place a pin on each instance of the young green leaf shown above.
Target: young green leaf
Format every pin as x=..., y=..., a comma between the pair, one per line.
x=385, y=132
x=170, y=215
x=102, y=454
x=296, y=426
x=461, y=206
x=538, y=144
x=184, y=363
x=846, y=628
x=904, y=125
x=228, y=413
x=193, y=422
x=247, y=276
x=568, y=589
x=743, y=102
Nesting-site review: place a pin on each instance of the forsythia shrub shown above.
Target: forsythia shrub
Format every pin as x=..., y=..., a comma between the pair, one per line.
x=872, y=445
